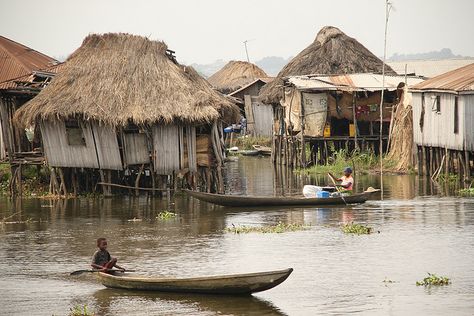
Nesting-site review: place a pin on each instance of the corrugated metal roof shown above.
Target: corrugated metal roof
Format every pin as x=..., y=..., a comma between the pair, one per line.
x=350, y=82
x=265, y=80
x=17, y=60
x=29, y=78
x=429, y=68
x=459, y=80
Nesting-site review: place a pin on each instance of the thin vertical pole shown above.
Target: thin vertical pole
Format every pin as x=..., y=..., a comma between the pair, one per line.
x=387, y=12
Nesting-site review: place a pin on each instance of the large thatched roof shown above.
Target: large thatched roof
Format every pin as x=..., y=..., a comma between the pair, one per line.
x=116, y=77
x=332, y=52
x=234, y=75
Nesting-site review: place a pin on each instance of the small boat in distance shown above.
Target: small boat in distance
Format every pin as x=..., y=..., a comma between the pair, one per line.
x=234, y=284
x=263, y=150
x=255, y=201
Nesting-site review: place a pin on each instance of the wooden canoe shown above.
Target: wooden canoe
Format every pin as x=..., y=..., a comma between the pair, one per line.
x=236, y=284
x=263, y=150
x=254, y=201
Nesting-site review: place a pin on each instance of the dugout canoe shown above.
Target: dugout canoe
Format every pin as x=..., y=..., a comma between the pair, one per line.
x=234, y=284
x=254, y=201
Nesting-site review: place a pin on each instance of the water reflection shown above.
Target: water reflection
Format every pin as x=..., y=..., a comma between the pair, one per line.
x=108, y=302
x=334, y=273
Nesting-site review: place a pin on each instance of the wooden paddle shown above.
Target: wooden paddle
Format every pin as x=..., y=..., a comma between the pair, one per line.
x=96, y=270
x=337, y=188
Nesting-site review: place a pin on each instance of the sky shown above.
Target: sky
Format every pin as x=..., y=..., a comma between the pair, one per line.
x=207, y=30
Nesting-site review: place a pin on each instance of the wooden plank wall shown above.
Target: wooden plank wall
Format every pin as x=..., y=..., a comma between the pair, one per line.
x=58, y=152
x=438, y=128
x=166, y=149
x=7, y=127
x=107, y=147
x=135, y=149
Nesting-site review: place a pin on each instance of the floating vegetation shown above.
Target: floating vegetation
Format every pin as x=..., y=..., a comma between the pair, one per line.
x=166, y=215
x=433, y=279
x=357, y=229
x=80, y=311
x=278, y=228
x=467, y=192
x=388, y=281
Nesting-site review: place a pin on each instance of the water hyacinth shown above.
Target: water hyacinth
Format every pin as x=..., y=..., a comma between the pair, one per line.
x=166, y=215
x=357, y=229
x=279, y=228
x=433, y=279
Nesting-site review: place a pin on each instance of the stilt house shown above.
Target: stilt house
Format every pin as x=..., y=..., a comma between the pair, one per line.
x=124, y=112
x=443, y=122
x=243, y=81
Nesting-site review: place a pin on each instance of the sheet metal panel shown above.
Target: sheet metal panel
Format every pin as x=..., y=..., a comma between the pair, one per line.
x=136, y=148
x=107, y=147
x=166, y=149
x=438, y=128
x=59, y=153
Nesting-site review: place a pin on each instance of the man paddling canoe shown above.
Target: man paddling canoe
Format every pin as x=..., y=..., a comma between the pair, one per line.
x=311, y=191
x=101, y=259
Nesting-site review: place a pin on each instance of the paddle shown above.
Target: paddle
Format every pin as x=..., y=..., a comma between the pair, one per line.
x=337, y=188
x=96, y=270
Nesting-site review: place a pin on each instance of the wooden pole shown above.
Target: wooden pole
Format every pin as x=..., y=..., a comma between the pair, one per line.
x=302, y=120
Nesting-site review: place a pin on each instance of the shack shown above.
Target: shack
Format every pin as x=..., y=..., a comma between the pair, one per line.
x=18, y=65
x=331, y=53
x=443, y=123
x=124, y=113
x=243, y=81
x=335, y=112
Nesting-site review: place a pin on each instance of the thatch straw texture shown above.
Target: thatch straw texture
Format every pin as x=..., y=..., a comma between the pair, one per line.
x=234, y=75
x=112, y=78
x=332, y=52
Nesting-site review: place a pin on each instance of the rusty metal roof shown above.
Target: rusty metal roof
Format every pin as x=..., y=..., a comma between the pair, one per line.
x=350, y=82
x=17, y=60
x=457, y=80
x=32, y=79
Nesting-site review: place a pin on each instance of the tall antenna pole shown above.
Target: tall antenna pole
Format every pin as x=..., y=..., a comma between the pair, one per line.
x=388, y=7
x=246, y=51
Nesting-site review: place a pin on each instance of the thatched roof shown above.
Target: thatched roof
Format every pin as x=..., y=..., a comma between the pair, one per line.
x=116, y=77
x=234, y=75
x=332, y=52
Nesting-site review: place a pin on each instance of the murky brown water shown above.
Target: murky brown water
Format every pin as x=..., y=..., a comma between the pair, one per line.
x=334, y=273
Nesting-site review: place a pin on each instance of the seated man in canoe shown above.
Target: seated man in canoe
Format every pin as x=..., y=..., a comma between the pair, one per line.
x=102, y=259
x=345, y=187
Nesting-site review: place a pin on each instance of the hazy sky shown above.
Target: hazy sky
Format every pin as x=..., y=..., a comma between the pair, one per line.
x=207, y=30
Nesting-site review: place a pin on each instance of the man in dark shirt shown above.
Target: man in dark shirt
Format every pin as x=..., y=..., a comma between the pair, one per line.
x=102, y=259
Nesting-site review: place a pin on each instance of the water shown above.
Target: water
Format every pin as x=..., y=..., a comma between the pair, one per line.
x=333, y=273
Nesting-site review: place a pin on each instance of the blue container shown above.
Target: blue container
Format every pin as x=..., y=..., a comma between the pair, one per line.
x=322, y=194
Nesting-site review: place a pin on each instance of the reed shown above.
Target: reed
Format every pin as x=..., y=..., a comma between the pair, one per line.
x=356, y=229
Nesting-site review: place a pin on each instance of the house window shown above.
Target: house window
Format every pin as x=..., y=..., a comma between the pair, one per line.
x=74, y=133
x=456, y=115
x=436, y=107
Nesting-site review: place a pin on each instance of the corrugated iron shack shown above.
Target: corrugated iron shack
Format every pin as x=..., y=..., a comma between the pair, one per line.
x=443, y=119
x=334, y=112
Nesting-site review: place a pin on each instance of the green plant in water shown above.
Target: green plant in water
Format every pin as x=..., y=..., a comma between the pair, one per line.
x=449, y=178
x=357, y=229
x=279, y=228
x=166, y=215
x=433, y=279
x=80, y=311
x=467, y=191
